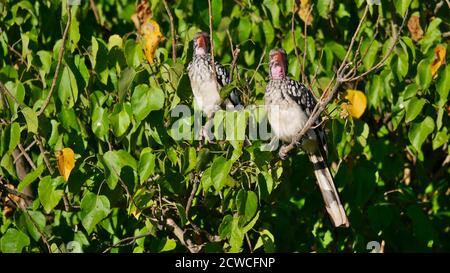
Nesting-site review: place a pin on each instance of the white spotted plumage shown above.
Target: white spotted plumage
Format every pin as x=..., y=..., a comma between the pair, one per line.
x=289, y=105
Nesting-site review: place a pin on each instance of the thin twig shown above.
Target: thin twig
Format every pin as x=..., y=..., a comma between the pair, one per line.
x=58, y=65
x=383, y=61
x=235, y=53
x=192, y=195
x=44, y=154
x=27, y=157
x=211, y=40
x=3, y=188
x=95, y=11
x=172, y=31
x=26, y=149
x=305, y=50
x=258, y=66
x=127, y=241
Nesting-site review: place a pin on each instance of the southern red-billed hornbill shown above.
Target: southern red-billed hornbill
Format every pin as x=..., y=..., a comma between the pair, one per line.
x=205, y=83
x=289, y=105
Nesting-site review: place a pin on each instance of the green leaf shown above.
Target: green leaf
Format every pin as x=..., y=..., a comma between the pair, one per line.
x=35, y=223
x=68, y=89
x=114, y=40
x=13, y=241
x=31, y=119
x=443, y=86
x=93, y=209
x=126, y=80
x=269, y=32
x=216, y=7
x=169, y=244
x=401, y=6
x=120, y=119
x=372, y=52
x=100, y=123
x=324, y=8
x=419, y=132
x=247, y=204
x=424, y=76
x=423, y=229
x=14, y=136
x=226, y=226
x=414, y=108
x=374, y=92
x=49, y=196
x=267, y=240
x=30, y=177
x=272, y=5
x=133, y=53
x=219, y=172
x=99, y=59
x=69, y=119
x=74, y=33
x=114, y=162
x=244, y=28
x=145, y=100
x=410, y=91
x=146, y=164
x=237, y=236
x=440, y=139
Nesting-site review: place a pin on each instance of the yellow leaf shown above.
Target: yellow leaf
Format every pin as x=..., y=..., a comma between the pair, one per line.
x=357, y=103
x=66, y=162
x=439, y=59
x=152, y=36
x=304, y=13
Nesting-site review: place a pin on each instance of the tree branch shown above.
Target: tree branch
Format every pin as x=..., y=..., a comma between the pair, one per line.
x=172, y=31
x=127, y=241
x=4, y=188
x=211, y=40
x=58, y=65
x=44, y=155
x=179, y=233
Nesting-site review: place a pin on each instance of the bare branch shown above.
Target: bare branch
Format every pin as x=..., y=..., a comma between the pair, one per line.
x=384, y=59
x=172, y=31
x=233, y=63
x=58, y=65
x=27, y=157
x=26, y=149
x=258, y=66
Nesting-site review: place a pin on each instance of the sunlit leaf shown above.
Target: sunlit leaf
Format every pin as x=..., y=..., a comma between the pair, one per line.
x=66, y=162
x=357, y=103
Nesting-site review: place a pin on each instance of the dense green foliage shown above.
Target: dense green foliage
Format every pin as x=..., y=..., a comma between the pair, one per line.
x=113, y=109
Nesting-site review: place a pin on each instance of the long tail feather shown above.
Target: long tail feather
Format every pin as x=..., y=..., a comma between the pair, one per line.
x=329, y=192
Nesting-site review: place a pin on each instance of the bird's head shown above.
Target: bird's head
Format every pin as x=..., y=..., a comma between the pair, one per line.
x=201, y=43
x=277, y=64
